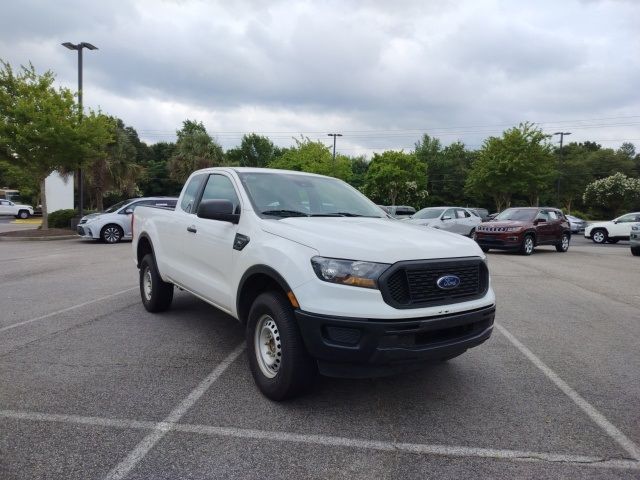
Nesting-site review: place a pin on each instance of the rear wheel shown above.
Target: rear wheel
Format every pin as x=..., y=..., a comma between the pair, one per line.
x=156, y=294
x=111, y=233
x=279, y=361
x=527, y=245
x=635, y=251
x=563, y=246
x=599, y=236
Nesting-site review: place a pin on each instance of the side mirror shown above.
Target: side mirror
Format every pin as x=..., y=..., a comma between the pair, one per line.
x=221, y=210
x=446, y=218
x=129, y=211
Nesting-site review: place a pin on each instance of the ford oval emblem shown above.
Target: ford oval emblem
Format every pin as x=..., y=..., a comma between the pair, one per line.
x=448, y=282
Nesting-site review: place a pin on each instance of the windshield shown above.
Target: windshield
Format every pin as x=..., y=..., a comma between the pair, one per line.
x=426, y=213
x=291, y=195
x=517, y=214
x=117, y=206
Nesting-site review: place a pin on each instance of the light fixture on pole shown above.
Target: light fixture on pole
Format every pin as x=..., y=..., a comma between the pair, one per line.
x=334, y=135
x=562, y=134
x=79, y=47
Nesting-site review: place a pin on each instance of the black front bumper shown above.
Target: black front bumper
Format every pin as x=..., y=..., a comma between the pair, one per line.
x=360, y=347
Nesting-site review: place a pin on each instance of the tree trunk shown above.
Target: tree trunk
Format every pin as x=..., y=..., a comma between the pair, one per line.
x=43, y=200
x=99, y=200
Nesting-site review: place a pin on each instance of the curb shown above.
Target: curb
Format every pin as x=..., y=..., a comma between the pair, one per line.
x=38, y=239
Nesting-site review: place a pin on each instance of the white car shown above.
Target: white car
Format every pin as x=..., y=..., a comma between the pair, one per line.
x=612, y=231
x=114, y=224
x=321, y=278
x=7, y=207
x=451, y=219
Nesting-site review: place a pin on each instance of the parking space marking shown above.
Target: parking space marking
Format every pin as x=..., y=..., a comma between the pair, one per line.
x=311, y=439
x=64, y=310
x=140, y=451
x=598, y=418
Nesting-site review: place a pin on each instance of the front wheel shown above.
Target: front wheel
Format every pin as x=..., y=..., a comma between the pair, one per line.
x=527, y=245
x=23, y=214
x=279, y=361
x=563, y=246
x=599, y=236
x=156, y=294
x=111, y=234
x=635, y=251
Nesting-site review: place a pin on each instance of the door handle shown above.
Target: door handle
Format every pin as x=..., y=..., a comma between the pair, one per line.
x=192, y=229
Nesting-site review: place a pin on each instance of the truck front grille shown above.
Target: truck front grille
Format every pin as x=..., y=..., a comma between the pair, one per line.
x=414, y=284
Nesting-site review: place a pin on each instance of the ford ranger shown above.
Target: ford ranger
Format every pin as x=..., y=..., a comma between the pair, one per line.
x=322, y=279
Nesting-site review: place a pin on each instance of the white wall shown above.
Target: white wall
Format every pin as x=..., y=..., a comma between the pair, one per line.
x=59, y=191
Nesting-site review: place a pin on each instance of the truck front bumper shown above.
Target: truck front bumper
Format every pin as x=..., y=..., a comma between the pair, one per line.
x=360, y=347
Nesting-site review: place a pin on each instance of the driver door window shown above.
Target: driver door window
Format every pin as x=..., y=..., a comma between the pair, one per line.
x=219, y=187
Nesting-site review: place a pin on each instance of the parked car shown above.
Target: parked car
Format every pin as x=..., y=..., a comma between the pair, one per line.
x=635, y=239
x=577, y=224
x=7, y=207
x=451, y=219
x=345, y=291
x=612, y=231
x=491, y=216
x=483, y=213
x=114, y=224
x=400, y=211
x=522, y=229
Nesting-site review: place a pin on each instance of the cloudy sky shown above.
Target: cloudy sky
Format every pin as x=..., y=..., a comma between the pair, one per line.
x=380, y=72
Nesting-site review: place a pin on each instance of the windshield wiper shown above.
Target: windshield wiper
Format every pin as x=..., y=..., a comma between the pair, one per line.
x=342, y=214
x=285, y=213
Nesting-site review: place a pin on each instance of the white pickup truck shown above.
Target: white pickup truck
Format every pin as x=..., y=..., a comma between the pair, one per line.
x=322, y=279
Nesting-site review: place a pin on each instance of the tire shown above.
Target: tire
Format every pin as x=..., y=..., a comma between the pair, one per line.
x=599, y=236
x=279, y=361
x=635, y=251
x=613, y=240
x=563, y=246
x=528, y=244
x=156, y=294
x=111, y=233
x=472, y=234
x=23, y=214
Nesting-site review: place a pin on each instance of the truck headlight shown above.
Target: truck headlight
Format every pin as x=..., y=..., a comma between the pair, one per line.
x=348, y=272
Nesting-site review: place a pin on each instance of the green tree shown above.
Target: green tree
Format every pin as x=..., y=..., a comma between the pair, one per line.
x=613, y=193
x=359, y=167
x=254, y=151
x=118, y=170
x=156, y=180
x=313, y=157
x=195, y=149
x=396, y=178
x=41, y=129
x=521, y=161
x=428, y=150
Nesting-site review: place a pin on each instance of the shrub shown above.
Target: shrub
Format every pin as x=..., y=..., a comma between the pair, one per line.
x=61, y=218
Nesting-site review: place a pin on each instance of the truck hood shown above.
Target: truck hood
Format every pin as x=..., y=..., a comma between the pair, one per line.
x=372, y=239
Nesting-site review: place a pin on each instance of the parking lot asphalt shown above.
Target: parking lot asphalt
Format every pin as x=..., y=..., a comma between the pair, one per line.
x=93, y=386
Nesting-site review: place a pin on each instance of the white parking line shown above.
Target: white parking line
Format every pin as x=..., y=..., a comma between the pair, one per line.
x=323, y=440
x=64, y=310
x=609, y=428
x=140, y=451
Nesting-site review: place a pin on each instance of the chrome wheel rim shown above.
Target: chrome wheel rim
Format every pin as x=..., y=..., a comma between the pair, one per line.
x=111, y=234
x=565, y=242
x=268, y=347
x=147, y=284
x=528, y=244
x=598, y=237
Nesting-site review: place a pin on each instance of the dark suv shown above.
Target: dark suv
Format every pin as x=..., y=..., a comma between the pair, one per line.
x=521, y=229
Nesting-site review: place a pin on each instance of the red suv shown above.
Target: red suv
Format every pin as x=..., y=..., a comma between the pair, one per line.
x=522, y=229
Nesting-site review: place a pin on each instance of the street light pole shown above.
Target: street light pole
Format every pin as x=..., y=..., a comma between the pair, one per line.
x=334, y=135
x=79, y=48
x=562, y=134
